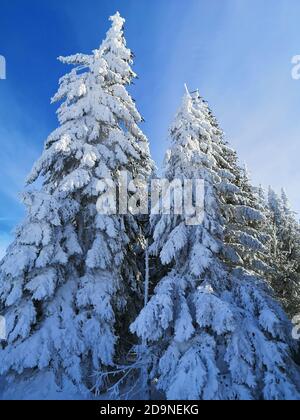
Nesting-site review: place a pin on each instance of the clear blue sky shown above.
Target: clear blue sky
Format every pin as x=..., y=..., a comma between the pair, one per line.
x=237, y=52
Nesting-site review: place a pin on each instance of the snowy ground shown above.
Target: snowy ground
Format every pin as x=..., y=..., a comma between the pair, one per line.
x=42, y=387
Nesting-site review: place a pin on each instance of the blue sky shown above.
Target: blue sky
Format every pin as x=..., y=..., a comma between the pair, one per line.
x=237, y=52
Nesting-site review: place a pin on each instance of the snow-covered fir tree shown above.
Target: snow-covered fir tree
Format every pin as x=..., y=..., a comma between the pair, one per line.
x=69, y=283
x=247, y=227
x=285, y=251
x=212, y=328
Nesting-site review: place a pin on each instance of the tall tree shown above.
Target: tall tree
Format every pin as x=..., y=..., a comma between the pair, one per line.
x=212, y=327
x=69, y=283
x=247, y=227
x=286, y=252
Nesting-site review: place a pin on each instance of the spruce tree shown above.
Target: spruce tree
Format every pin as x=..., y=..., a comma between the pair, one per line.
x=247, y=224
x=286, y=252
x=69, y=283
x=212, y=327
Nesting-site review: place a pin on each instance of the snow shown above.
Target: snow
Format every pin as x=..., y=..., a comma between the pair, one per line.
x=39, y=387
x=65, y=282
x=210, y=325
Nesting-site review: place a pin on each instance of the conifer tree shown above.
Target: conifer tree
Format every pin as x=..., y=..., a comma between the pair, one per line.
x=247, y=227
x=286, y=252
x=69, y=283
x=212, y=327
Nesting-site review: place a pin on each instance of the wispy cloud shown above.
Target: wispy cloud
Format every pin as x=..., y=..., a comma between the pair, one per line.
x=238, y=53
x=21, y=143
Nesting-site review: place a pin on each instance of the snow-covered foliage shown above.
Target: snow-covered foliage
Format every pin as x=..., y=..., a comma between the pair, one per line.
x=69, y=283
x=285, y=252
x=212, y=326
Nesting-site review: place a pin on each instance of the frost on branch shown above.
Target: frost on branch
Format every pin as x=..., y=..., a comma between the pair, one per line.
x=70, y=282
x=212, y=325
